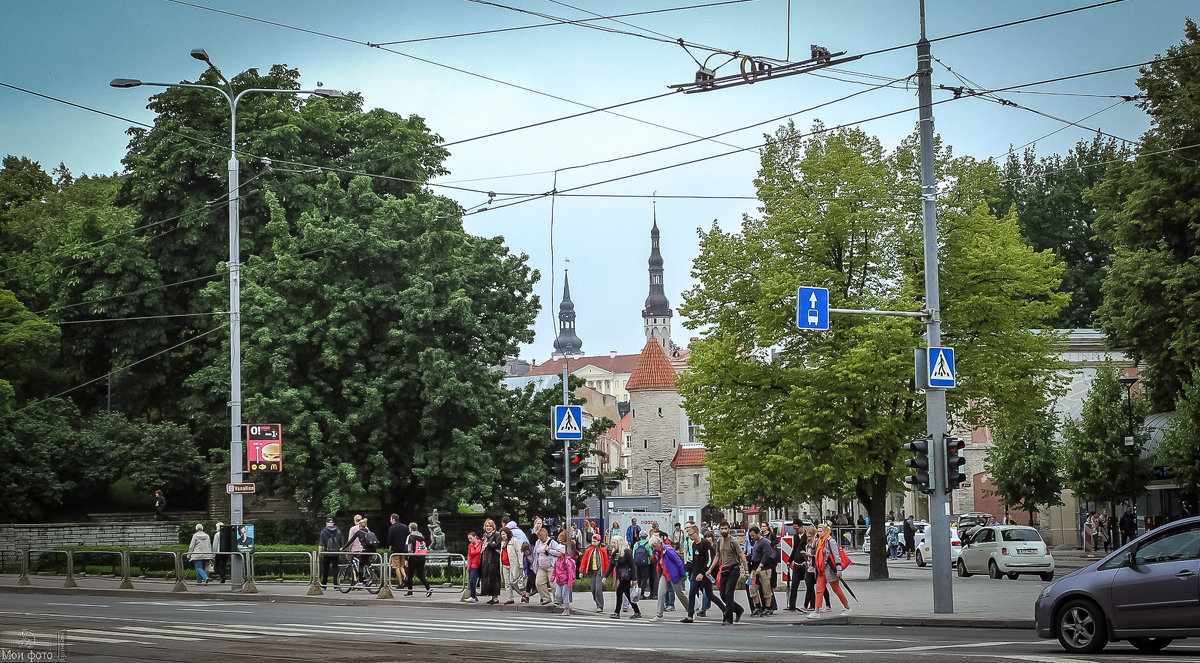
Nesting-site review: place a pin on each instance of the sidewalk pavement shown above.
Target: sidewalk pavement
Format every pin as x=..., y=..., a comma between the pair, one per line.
x=904, y=599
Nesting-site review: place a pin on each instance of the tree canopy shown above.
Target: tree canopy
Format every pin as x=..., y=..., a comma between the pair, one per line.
x=1148, y=215
x=790, y=413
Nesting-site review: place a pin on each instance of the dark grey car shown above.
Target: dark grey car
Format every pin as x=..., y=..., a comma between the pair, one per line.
x=1146, y=592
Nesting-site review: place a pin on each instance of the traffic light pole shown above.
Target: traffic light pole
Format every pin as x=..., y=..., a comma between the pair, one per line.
x=567, y=468
x=935, y=398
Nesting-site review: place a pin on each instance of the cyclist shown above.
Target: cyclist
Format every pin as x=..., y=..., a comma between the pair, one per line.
x=362, y=540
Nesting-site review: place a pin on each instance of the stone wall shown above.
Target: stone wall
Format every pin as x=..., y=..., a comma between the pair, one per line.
x=45, y=536
x=654, y=430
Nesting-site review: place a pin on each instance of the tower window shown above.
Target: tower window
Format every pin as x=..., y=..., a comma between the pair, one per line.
x=697, y=480
x=645, y=444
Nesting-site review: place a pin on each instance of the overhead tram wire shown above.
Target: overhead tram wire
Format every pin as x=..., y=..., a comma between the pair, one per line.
x=699, y=140
x=563, y=22
x=1013, y=150
x=434, y=63
x=827, y=129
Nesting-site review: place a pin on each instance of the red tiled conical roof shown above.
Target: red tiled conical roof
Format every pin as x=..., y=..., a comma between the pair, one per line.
x=653, y=369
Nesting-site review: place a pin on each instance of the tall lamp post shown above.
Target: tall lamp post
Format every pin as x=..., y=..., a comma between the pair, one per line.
x=660, y=462
x=1130, y=447
x=235, y=307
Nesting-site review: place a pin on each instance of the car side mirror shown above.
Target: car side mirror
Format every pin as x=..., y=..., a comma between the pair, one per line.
x=1129, y=559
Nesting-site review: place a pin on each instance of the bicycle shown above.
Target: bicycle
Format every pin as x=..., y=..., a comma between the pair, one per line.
x=369, y=576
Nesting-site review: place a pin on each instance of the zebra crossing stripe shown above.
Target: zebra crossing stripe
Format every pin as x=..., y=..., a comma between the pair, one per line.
x=203, y=631
x=154, y=636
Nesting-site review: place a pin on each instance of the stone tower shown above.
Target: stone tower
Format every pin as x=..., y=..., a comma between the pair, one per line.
x=567, y=344
x=656, y=317
x=654, y=425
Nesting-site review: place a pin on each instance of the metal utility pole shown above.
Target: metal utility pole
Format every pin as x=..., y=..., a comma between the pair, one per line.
x=935, y=398
x=567, y=467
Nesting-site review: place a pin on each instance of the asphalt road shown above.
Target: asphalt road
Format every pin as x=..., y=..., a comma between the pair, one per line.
x=94, y=628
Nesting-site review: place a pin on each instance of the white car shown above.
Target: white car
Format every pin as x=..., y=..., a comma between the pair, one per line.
x=1006, y=550
x=925, y=550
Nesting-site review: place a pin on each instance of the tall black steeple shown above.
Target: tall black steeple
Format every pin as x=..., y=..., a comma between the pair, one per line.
x=567, y=343
x=656, y=317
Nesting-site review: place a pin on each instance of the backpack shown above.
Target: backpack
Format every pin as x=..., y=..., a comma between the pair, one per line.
x=331, y=540
x=419, y=547
x=641, y=553
x=369, y=540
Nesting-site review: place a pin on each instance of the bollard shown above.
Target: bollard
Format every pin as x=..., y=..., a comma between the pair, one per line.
x=24, y=579
x=314, y=587
x=70, y=581
x=180, y=585
x=385, y=589
x=248, y=586
x=126, y=583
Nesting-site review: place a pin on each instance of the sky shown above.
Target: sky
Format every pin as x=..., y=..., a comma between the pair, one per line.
x=470, y=86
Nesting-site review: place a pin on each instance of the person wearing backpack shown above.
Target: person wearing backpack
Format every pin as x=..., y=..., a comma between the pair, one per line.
x=564, y=575
x=761, y=556
x=642, y=560
x=367, y=543
x=828, y=555
x=416, y=563
x=329, y=541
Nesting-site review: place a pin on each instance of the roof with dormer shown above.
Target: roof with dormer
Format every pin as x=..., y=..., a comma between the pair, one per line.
x=653, y=370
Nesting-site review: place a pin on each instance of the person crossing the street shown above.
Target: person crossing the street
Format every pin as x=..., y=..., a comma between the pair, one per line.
x=594, y=564
x=698, y=573
x=730, y=559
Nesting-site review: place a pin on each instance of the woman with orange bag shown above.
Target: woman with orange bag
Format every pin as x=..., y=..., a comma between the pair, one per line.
x=829, y=571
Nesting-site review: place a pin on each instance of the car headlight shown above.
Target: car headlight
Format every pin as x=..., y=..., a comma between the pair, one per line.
x=1046, y=590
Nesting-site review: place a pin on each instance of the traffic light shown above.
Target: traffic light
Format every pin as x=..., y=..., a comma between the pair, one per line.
x=919, y=463
x=556, y=465
x=954, y=462
x=576, y=471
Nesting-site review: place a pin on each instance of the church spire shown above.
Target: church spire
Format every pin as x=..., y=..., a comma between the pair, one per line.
x=567, y=344
x=656, y=317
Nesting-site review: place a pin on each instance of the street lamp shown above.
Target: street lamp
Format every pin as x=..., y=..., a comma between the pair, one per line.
x=1129, y=440
x=235, y=307
x=647, y=470
x=660, y=462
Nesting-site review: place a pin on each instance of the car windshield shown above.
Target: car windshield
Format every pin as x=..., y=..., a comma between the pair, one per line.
x=1021, y=535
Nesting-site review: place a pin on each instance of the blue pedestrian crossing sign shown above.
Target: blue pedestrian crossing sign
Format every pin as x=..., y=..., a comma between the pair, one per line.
x=941, y=367
x=568, y=422
x=812, y=308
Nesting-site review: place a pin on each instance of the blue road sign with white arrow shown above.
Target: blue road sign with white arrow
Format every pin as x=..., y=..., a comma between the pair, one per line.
x=812, y=308
x=568, y=422
x=941, y=367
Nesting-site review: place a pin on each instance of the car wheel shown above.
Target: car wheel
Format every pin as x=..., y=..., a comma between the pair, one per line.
x=920, y=559
x=1080, y=628
x=1150, y=644
x=962, y=569
x=1047, y=576
x=994, y=571
x=1012, y=576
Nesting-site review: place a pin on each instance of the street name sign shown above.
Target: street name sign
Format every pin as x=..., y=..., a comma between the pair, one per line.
x=568, y=422
x=941, y=368
x=239, y=488
x=812, y=308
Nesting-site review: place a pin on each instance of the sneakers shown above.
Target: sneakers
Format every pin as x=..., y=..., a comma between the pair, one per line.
x=701, y=614
x=565, y=613
x=826, y=608
x=687, y=620
x=846, y=612
x=428, y=593
x=670, y=608
x=813, y=615
x=636, y=615
x=358, y=584
x=614, y=616
x=655, y=619
x=408, y=593
x=509, y=602
x=757, y=612
x=599, y=608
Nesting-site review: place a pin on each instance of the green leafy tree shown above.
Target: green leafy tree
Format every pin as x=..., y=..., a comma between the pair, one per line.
x=176, y=179
x=36, y=443
x=28, y=352
x=789, y=413
x=1023, y=466
x=1097, y=464
x=1147, y=214
x=369, y=327
x=1179, y=451
x=1052, y=214
x=159, y=455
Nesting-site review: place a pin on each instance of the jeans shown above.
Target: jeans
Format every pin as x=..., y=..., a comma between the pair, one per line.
x=644, y=576
x=416, y=567
x=472, y=581
x=702, y=587
x=562, y=593
x=329, y=563
x=201, y=576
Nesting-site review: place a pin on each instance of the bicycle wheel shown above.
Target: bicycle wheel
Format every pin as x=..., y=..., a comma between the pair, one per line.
x=371, y=579
x=346, y=577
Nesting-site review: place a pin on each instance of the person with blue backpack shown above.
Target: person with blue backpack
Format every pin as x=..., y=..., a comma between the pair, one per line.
x=644, y=563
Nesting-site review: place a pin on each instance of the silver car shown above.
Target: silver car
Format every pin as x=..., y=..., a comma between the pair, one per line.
x=1146, y=592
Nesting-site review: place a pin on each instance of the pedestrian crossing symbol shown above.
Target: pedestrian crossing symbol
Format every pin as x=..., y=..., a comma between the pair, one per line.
x=568, y=422
x=941, y=367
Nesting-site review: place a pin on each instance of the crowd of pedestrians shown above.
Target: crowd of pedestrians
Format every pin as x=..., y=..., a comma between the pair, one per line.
x=692, y=566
